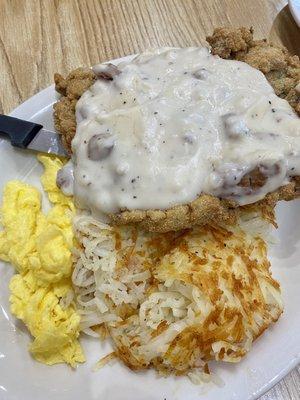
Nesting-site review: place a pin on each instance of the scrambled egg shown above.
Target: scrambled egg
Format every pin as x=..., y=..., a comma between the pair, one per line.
x=39, y=246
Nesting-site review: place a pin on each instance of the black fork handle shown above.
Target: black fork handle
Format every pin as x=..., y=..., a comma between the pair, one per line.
x=19, y=131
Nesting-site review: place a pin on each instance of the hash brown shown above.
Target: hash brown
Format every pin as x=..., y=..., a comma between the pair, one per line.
x=177, y=300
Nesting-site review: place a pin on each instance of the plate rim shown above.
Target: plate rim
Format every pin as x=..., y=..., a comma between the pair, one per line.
x=294, y=6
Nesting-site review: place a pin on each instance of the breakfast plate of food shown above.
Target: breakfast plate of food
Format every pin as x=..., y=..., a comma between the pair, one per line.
x=159, y=257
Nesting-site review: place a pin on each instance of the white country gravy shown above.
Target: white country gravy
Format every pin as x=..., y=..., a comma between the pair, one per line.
x=175, y=123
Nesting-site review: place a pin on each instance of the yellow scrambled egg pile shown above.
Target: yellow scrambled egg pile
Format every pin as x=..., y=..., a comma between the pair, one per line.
x=39, y=246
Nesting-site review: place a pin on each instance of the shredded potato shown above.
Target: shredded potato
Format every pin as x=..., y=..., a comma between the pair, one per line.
x=174, y=301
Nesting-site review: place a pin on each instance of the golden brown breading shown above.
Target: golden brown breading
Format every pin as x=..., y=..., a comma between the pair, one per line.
x=71, y=88
x=229, y=42
x=280, y=68
x=282, y=71
x=76, y=83
x=65, y=121
x=205, y=209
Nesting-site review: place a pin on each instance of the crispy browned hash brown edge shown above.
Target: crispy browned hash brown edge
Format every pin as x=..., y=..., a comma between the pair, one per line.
x=218, y=324
x=282, y=71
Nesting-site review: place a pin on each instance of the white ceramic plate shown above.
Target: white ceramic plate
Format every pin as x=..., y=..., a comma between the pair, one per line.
x=294, y=6
x=272, y=357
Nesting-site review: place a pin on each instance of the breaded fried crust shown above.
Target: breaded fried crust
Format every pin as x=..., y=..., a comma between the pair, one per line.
x=205, y=209
x=282, y=71
x=71, y=88
x=280, y=68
